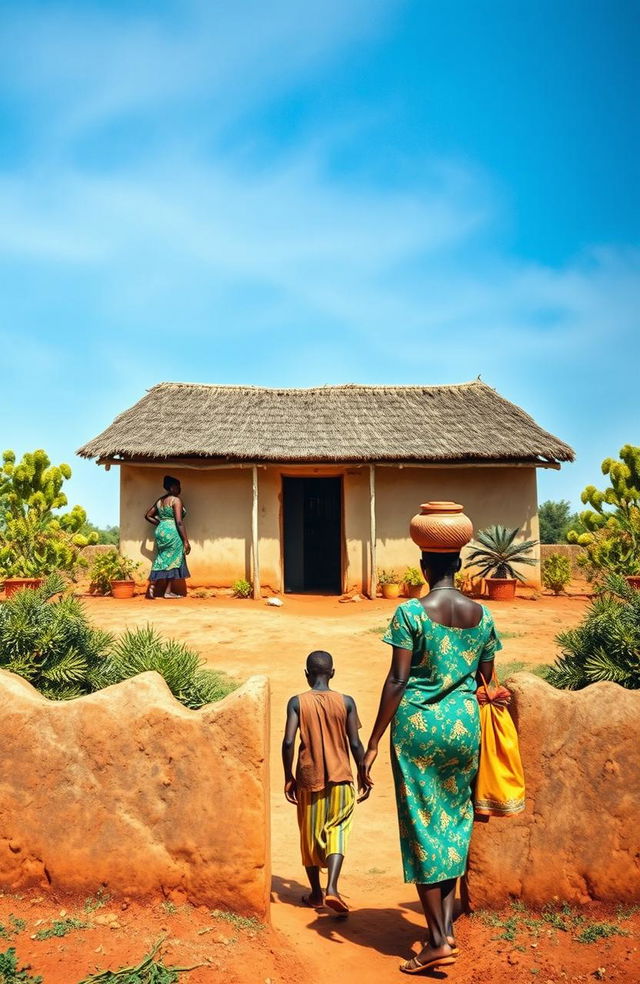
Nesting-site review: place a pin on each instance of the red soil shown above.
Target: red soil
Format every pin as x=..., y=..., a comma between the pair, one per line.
x=244, y=637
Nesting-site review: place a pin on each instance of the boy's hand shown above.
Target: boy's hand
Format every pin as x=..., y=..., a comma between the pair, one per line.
x=365, y=782
x=291, y=791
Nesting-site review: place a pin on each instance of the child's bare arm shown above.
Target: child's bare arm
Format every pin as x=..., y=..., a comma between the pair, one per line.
x=353, y=734
x=288, y=749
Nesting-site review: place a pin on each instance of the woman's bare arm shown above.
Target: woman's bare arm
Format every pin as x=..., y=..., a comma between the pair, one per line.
x=151, y=515
x=178, y=512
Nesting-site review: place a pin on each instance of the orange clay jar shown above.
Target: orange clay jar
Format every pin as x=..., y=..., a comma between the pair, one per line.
x=441, y=527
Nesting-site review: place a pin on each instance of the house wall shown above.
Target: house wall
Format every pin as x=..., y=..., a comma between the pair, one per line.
x=218, y=520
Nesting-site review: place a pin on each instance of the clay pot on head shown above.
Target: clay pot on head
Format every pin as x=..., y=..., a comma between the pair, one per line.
x=122, y=589
x=13, y=584
x=501, y=588
x=441, y=527
x=390, y=590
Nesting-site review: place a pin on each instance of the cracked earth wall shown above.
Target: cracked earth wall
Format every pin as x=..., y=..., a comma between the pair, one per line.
x=129, y=790
x=579, y=838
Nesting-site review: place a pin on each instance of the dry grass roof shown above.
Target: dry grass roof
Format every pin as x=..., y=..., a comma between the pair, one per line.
x=467, y=422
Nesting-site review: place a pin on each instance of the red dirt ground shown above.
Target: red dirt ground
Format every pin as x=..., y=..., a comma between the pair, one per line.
x=244, y=637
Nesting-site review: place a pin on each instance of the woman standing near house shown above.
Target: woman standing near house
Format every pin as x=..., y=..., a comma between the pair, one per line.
x=439, y=644
x=172, y=543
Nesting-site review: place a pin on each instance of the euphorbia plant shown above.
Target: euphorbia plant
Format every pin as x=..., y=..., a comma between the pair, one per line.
x=35, y=538
x=111, y=566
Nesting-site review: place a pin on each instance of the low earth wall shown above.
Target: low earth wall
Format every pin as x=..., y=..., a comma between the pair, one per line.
x=579, y=838
x=128, y=789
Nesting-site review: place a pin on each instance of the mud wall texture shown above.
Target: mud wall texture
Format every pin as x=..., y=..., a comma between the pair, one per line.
x=219, y=503
x=129, y=790
x=579, y=838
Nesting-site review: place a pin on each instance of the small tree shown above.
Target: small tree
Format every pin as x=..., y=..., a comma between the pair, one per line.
x=606, y=644
x=36, y=538
x=556, y=519
x=612, y=536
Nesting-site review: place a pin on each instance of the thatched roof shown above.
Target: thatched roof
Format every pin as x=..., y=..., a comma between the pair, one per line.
x=467, y=422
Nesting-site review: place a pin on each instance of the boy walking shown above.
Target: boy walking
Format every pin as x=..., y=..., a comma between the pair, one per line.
x=322, y=788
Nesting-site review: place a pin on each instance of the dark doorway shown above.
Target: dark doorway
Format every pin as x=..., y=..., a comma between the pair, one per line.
x=312, y=514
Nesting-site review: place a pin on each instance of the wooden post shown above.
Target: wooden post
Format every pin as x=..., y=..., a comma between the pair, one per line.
x=255, y=550
x=373, y=570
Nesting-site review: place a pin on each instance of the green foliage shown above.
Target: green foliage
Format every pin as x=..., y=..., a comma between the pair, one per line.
x=14, y=928
x=240, y=922
x=596, y=931
x=96, y=901
x=50, y=642
x=242, y=588
x=109, y=535
x=60, y=927
x=111, y=566
x=142, y=649
x=37, y=539
x=10, y=973
x=556, y=573
x=413, y=577
x=495, y=553
x=556, y=519
x=148, y=971
x=606, y=644
x=611, y=537
x=389, y=577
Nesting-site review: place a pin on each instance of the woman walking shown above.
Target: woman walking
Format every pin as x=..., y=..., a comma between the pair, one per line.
x=439, y=644
x=172, y=543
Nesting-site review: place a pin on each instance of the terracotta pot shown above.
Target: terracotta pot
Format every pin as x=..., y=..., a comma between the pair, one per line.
x=441, y=527
x=413, y=590
x=13, y=584
x=390, y=590
x=633, y=580
x=122, y=589
x=501, y=588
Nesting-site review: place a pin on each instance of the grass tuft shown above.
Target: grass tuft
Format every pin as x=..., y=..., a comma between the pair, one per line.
x=10, y=973
x=239, y=922
x=148, y=971
x=60, y=927
x=15, y=927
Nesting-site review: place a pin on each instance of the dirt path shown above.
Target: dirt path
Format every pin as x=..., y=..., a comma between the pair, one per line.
x=244, y=637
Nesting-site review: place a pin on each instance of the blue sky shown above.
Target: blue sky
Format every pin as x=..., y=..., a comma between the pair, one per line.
x=382, y=191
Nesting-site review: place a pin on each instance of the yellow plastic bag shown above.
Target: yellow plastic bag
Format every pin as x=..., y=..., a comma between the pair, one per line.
x=499, y=788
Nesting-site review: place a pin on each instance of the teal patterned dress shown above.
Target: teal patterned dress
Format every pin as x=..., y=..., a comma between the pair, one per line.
x=435, y=740
x=170, y=562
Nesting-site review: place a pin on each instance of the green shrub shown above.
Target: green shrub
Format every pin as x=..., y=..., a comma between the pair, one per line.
x=142, y=649
x=10, y=973
x=389, y=577
x=111, y=566
x=556, y=573
x=150, y=970
x=50, y=642
x=413, y=577
x=242, y=588
x=605, y=645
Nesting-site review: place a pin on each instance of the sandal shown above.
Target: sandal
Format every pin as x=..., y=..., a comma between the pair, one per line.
x=337, y=904
x=414, y=966
x=306, y=900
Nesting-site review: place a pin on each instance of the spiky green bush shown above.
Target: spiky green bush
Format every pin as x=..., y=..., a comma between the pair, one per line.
x=142, y=649
x=606, y=644
x=495, y=552
x=47, y=638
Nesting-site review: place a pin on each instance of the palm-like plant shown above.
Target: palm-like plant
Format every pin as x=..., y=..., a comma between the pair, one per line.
x=495, y=552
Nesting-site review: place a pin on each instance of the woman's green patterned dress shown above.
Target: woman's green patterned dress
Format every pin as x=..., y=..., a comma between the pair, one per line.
x=170, y=562
x=435, y=739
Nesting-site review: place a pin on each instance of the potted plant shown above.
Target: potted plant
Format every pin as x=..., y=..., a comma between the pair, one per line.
x=389, y=582
x=112, y=572
x=494, y=553
x=413, y=582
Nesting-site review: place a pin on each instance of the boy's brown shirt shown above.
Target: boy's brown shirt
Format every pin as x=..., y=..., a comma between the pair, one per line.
x=323, y=758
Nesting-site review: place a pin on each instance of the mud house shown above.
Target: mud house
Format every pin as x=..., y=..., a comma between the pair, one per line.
x=312, y=489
